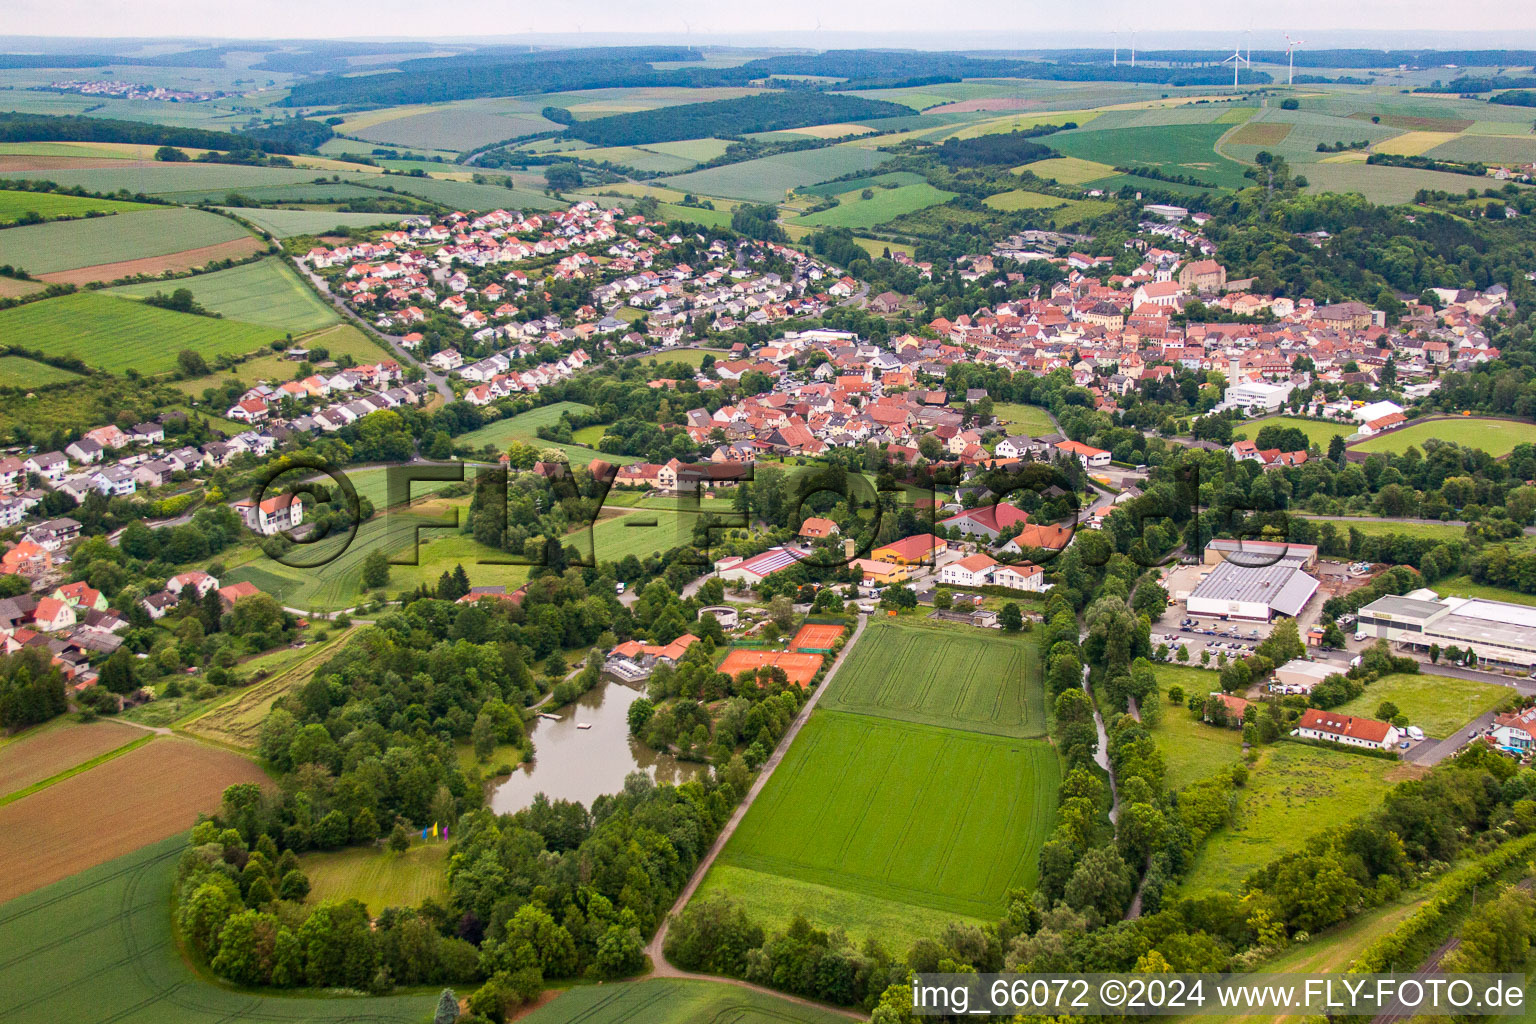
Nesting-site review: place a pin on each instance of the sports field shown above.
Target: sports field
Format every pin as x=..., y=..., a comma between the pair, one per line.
x=1440, y=705
x=892, y=815
x=266, y=292
x=379, y=878
x=149, y=793
x=1318, y=432
x=971, y=679
x=14, y=204
x=115, y=334
x=1496, y=437
x=103, y=941
x=1293, y=792
x=675, y=1001
x=21, y=372
x=816, y=636
x=799, y=668
x=68, y=245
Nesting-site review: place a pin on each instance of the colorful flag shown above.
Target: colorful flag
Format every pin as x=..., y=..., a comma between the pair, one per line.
x=423, y=833
x=434, y=830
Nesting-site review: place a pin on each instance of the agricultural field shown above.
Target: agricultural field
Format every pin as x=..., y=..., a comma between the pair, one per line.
x=102, y=938
x=873, y=818
x=1033, y=420
x=675, y=1001
x=1383, y=185
x=51, y=206
x=720, y=217
x=21, y=372
x=266, y=292
x=523, y=427
x=1068, y=170
x=1023, y=199
x=1487, y=148
x=1439, y=705
x=642, y=533
x=888, y=180
x=379, y=878
x=455, y=128
x=641, y=158
x=44, y=752
x=975, y=680
x=322, y=191
x=1192, y=749
x=116, y=334
x=147, y=794
x=466, y=195
x=45, y=249
x=1318, y=432
x=1463, y=586
x=1187, y=149
x=884, y=204
x=1293, y=791
x=767, y=179
x=168, y=179
x=1496, y=437
x=237, y=722
x=341, y=339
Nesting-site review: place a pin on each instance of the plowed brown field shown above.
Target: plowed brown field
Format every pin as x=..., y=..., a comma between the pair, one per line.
x=47, y=753
x=187, y=259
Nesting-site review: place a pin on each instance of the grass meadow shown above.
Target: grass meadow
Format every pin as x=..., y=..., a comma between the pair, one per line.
x=1439, y=705
x=1496, y=437
x=1192, y=749
x=1033, y=420
x=676, y=1001
x=21, y=372
x=379, y=878
x=265, y=292
x=68, y=245
x=1464, y=586
x=102, y=939
x=524, y=427
x=237, y=722
x=1293, y=791
x=14, y=204
x=767, y=179
x=976, y=680
x=883, y=205
x=117, y=334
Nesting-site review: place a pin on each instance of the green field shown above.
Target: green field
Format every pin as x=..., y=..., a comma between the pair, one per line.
x=1033, y=420
x=1382, y=184
x=1496, y=437
x=266, y=292
x=676, y=214
x=51, y=206
x=676, y=1001
x=1293, y=792
x=379, y=878
x=1439, y=705
x=524, y=426
x=68, y=245
x=116, y=334
x=835, y=188
x=968, y=679
x=883, y=205
x=287, y=223
x=693, y=357
x=1187, y=149
x=467, y=195
x=895, y=816
x=102, y=940
x=642, y=533
x=21, y=372
x=768, y=178
x=1192, y=749
x=1372, y=527
x=1463, y=586
x=1318, y=432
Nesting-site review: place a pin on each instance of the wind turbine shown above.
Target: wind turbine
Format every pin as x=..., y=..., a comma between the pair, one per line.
x=1290, y=57
x=1237, y=60
x=1116, y=36
x=1133, y=48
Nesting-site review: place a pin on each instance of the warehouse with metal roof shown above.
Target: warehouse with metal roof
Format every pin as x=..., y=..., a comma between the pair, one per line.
x=1259, y=593
x=1495, y=631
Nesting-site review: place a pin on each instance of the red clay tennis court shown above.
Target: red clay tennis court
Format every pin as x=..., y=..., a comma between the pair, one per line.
x=817, y=637
x=799, y=668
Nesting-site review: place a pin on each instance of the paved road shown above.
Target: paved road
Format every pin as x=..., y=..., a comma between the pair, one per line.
x=437, y=380
x=660, y=968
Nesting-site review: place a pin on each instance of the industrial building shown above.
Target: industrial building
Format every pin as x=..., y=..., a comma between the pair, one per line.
x=1496, y=631
x=1258, y=593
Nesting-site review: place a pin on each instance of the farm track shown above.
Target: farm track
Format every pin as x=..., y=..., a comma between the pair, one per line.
x=660, y=967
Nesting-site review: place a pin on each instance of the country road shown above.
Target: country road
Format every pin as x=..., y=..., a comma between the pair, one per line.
x=660, y=968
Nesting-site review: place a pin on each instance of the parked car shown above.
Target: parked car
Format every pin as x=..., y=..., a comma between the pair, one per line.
x=1415, y=733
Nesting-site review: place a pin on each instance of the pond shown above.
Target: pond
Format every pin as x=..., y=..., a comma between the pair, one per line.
x=571, y=763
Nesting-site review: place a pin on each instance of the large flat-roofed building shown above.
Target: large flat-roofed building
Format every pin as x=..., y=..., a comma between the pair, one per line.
x=1259, y=593
x=1256, y=553
x=1495, y=631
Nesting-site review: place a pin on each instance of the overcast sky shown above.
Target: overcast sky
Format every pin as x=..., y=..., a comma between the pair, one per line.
x=994, y=23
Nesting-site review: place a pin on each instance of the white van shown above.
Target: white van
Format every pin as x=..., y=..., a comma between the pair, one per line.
x=1359, y=636
x=1415, y=733
x=619, y=588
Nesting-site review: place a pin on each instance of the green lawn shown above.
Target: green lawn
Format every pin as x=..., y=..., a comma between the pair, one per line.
x=159, y=231
x=1385, y=527
x=675, y=1001
x=1496, y=437
x=116, y=334
x=1439, y=705
x=102, y=940
x=955, y=676
x=1463, y=586
x=21, y=372
x=524, y=426
x=1318, y=432
x=884, y=204
x=1033, y=420
x=898, y=815
x=266, y=292
x=693, y=357
x=643, y=532
x=14, y=204
x=1192, y=749
x=379, y=878
x=1293, y=792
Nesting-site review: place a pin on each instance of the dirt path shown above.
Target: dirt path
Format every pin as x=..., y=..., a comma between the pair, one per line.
x=660, y=968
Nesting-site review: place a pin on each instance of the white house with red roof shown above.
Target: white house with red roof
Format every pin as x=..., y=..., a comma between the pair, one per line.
x=272, y=515
x=1336, y=727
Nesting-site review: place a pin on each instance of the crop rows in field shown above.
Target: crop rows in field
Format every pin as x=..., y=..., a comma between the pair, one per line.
x=238, y=722
x=974, y=680
x=21, y=372
x=67, y=245
x=16, y=203
x=676, y=1001
x=265, y=293
x=768, y=178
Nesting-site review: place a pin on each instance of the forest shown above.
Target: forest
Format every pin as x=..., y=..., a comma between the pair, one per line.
x=285, y=138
